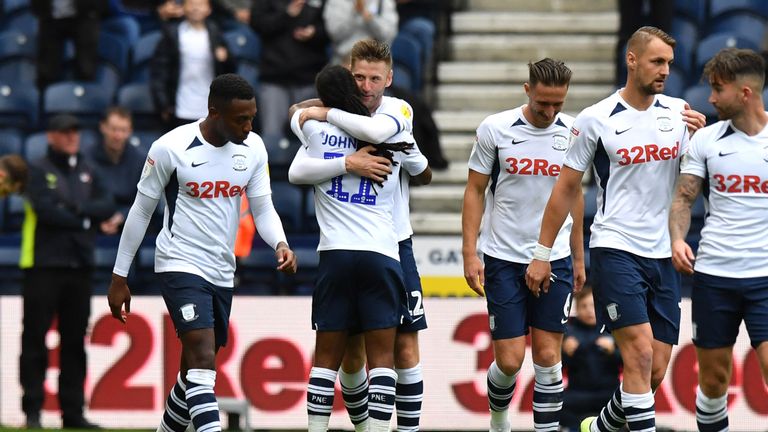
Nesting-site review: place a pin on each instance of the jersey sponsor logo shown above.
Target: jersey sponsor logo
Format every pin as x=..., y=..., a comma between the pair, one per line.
x=664, y=123
x=340, y=141
x=211, y=189
x=238, y=162
x=527, y=166
x=406, y=111
x=721, y=154
x=560, y=142
x=574, y=131
x=197, y=164
x=619, y=132
x=516, y=142
x=735, y=183
x=147, y=170
x=647, y=153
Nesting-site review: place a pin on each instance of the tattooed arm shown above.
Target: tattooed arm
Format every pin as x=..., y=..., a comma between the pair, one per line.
x=688, y=188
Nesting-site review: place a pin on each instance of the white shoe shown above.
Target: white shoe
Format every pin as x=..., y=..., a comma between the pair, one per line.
x=501, y=427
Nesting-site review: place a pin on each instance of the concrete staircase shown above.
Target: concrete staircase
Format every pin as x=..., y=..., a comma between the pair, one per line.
x=493, y=42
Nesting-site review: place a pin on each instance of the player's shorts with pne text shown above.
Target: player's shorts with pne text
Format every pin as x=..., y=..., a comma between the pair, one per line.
x=629, y=289
x=512, y=308
x=357, y=290
x=194, y=303
x=414, y=318
x=719, y=304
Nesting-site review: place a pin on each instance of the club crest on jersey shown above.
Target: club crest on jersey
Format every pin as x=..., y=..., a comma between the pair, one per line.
x=613, y=311
x=189, y=312
x=560, y=142
x=238, y=162
x=664, y=123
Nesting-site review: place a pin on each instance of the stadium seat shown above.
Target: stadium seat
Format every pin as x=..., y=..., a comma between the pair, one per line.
x=765, y=95
x=86, y=100
x=287, y=199
x=10, y=142
x=14, y=216
x=249, y=71
x=15, y=44
x=280, y=151
x=686, y=33
x=137, y=97
x=693, y=9
x=244, y=44
x=10, y=7
x=744, y=24
x=406, y=52
x=23, y=71
x=125, y=27
x=310, y=217
x=18, y=105
x=402, y=77
x=35, y=146
x=698, y=98
x=24, y=22
x=143, y=138
x=143, y=51
x=675, y=83
x=722, y=7
x=710, y=45
x=115, y=51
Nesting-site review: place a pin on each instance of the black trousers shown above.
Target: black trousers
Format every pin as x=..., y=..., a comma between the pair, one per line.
x=83, y=30
x=65, y=294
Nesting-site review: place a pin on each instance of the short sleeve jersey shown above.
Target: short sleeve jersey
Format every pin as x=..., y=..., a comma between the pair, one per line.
x=635, y=156
x=734, y=167
x=523, y=162
x=202, y=185
x=413, y=164
x=353, y=213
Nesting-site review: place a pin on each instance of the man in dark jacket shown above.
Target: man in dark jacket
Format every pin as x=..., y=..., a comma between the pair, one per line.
x=295, y=49
x=59, y=20
x=187, y=59
x=66, y=202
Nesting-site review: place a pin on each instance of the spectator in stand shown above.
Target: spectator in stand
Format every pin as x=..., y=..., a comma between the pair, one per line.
x=348, y=21
x=13, y=174
x=67, y=200
x=59, y=20
x=294, y=50
x=187, y=59
x=593, y=363
x=120, y=162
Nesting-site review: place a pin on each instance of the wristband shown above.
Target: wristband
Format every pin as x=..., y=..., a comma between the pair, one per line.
x=541, y=252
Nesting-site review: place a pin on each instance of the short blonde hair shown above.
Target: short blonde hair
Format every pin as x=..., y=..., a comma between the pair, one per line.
x=644, y=35
x=371, y=50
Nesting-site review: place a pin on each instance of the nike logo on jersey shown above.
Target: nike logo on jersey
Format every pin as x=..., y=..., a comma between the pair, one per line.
x=195, y=165
x=515, y=142
x=618, y=132
x=721, y=154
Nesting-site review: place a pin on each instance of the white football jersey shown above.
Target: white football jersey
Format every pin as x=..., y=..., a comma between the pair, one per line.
x=523, y=162
x=414, y=163
x=350, y=213
x=734, y=167
x=202, y=185
x=635, y=157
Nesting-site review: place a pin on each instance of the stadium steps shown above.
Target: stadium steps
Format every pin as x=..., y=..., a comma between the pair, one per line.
x=492, y=43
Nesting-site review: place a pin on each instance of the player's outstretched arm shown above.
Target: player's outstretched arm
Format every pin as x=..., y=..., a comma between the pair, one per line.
x=688, y=188
x=561, y=201
x=302, y=105
x=471, y=215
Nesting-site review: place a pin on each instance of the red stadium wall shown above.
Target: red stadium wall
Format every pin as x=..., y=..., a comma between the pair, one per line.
x=269, y=355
